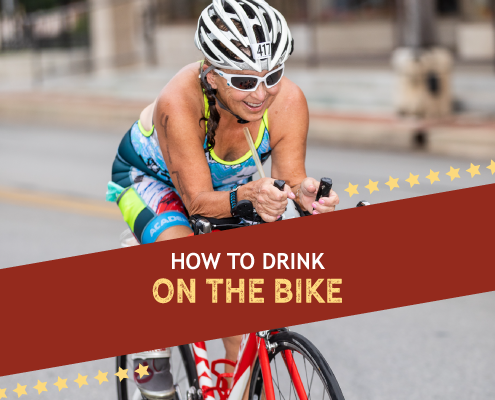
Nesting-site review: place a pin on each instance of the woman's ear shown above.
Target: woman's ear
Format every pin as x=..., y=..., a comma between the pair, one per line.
x=210, y=78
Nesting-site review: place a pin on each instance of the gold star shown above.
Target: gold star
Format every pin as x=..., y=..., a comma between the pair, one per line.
x=453, y=173
x=2, y=394
x=81, y=380
x=142, y=371
x=392, y=183
x=433, y=176
x=474, y=170
x=41, y=387
x=413, y=179
x=122, y=374
x=491, y=167
x=20, y=390
x=352, y=189
x=101, y=377
x=372, y=186
x=61, y=384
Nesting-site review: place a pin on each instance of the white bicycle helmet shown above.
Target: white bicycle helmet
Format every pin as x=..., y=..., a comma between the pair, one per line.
x=243, y=35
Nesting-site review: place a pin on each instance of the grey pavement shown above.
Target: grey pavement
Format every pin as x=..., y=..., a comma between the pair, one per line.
x=441, y=350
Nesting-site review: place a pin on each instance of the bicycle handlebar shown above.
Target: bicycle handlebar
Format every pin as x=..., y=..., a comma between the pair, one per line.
x=245, y=210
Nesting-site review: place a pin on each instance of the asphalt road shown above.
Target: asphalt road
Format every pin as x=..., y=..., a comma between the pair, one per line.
x=441, y=350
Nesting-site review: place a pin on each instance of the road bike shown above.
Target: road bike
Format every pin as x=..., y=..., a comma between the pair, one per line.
x=276, y=364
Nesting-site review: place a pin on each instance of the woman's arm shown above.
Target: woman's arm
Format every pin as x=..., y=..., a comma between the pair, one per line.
x=289, y=124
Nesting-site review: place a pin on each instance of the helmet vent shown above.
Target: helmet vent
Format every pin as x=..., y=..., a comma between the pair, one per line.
x=228, y=53
x=203, y=25
x=249, y=11
x=219, y=23
x=228, y=8
x=208, y=51
x=268, y=22
x=276, y=44
x=239, y=27
x=258, y=31
x=245, y=50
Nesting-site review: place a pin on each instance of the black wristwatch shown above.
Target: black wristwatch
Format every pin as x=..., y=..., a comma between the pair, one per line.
x=233, y=198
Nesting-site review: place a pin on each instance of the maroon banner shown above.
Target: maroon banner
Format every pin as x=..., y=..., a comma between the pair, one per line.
x=374, y=258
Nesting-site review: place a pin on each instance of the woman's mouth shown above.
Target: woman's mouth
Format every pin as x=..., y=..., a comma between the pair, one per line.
x=254, y=106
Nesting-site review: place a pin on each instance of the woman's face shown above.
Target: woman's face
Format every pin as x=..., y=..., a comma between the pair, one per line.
x=248, y=105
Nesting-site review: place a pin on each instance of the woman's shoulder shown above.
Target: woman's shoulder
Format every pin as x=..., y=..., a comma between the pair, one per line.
x=183, y=92
x=290, y=98
x=290, y=107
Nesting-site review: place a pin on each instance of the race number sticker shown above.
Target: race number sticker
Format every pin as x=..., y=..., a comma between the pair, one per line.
x=262, y=50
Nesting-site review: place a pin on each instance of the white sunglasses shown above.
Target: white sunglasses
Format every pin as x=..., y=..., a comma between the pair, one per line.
x=249, y=83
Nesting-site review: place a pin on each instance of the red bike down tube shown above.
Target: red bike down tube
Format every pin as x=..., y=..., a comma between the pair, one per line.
x=294, y=373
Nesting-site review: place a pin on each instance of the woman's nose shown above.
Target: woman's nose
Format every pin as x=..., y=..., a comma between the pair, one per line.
x=260, y=92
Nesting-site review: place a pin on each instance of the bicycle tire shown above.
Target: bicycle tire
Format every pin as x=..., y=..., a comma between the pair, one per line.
x=298, y=344
x=188, y=363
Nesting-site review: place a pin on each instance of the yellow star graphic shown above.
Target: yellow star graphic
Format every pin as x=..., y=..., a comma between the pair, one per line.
x=20, y=390
x=453, y=173
x=372, y=186
x=491, y=167
x=433, y=176
x=142, y=370
x=101, y=377
x=2, y=394
x=61, y=384
x=413, y=179
x=392, y=183
x=41, y=387
x=81, y=380
x=474, y=170
x=352, y=189
x=122, y=374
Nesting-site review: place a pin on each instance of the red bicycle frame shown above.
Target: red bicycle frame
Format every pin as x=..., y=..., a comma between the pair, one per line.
x=252, y=344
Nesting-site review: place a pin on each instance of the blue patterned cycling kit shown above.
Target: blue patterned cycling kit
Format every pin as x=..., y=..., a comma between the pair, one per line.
x=140, y=166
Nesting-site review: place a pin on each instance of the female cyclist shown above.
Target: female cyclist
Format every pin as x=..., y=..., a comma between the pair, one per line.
x=187, y=154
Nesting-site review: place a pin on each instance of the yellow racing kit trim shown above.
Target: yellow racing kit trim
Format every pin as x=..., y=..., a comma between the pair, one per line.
x=144, y=131
x=131, y=205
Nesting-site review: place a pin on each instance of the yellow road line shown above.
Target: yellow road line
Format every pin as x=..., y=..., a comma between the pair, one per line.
x=94, y=208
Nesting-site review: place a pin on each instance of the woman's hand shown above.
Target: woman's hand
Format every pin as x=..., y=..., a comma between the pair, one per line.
x=307, y=195
x=268, y=201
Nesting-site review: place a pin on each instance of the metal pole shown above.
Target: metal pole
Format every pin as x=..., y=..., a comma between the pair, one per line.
x=417, y=23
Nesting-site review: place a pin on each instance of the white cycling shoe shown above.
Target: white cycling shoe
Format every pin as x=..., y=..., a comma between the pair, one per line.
x=159, y=383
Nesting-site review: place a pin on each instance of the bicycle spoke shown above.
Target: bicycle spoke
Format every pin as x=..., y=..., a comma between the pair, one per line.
x=276, y=372
x=310, y=385
x=306, y=373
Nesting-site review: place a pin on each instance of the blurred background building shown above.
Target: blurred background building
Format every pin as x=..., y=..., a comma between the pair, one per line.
x=99, y=34
x=366, y=66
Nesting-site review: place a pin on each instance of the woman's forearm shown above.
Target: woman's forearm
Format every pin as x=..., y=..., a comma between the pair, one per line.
x=217, y=204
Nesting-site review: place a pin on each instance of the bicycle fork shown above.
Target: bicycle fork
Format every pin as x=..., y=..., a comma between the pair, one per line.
x=251, y=344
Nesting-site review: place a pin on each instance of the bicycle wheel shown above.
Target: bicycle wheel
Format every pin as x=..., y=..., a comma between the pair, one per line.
x=317, y=378
x=182, y=367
